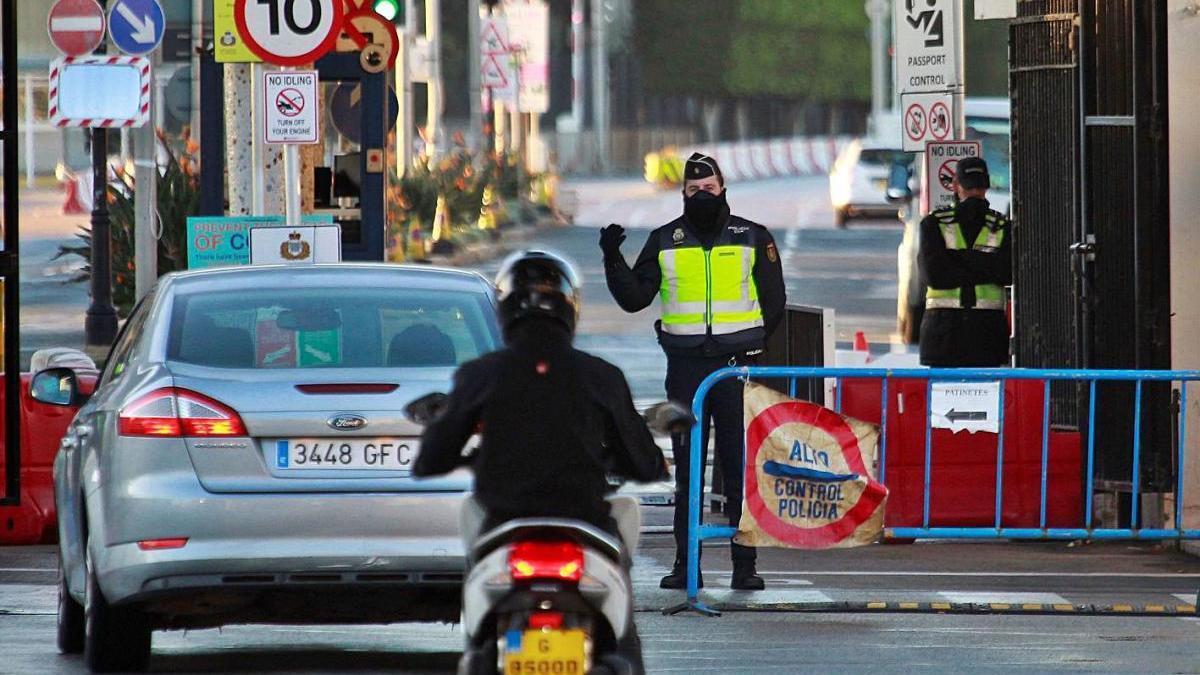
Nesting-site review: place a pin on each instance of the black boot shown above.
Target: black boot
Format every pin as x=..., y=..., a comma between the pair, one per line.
x=745, y=577
x=677, y=579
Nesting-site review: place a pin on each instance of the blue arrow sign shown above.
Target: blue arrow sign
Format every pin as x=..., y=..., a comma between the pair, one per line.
x=136, y=26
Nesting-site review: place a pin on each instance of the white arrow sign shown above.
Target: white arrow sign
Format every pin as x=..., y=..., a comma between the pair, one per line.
x=143, y=28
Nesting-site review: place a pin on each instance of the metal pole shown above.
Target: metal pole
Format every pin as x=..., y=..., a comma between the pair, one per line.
x=433, y=33
x=577, y=46
x=145, y=204
x=30, y=176
x=10, y=258
x=197, y=46
x=100, y=324
x=475, y=84
x=600, y=115
x=877, y=10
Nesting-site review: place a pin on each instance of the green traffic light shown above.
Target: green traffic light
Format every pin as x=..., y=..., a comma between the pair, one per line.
x=388, y=9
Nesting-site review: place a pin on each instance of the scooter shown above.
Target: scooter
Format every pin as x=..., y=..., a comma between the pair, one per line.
x=552, y=596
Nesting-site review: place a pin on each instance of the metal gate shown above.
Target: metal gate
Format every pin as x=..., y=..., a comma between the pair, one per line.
x=9, y=277
x=1087, y=79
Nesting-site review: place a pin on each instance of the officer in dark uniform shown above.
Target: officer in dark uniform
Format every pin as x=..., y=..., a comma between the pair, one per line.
x=720, y=282
x=965, y=262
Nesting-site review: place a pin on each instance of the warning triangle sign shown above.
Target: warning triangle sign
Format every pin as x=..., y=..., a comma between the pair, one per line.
x=493, y=73
x=491, y=42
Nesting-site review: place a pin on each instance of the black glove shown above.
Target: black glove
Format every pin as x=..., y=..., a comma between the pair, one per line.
x=611, y=238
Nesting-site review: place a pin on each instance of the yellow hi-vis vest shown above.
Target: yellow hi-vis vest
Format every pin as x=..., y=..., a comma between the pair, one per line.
x=708, y=289
x=987, y=296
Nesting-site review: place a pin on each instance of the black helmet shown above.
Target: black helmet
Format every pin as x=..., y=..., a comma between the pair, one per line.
x=537, y=284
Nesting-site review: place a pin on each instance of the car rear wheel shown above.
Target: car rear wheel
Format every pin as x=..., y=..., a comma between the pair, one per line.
x=70, y=617
x=117, y=639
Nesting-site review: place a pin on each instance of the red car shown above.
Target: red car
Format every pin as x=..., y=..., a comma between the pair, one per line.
x=42, y=427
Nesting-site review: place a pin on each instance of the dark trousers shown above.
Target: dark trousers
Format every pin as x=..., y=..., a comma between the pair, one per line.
x=723, y=405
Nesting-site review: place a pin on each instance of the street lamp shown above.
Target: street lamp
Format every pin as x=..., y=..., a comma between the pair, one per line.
x=100, y=324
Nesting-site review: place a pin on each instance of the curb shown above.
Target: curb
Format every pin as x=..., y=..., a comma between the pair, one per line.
x=994, y=608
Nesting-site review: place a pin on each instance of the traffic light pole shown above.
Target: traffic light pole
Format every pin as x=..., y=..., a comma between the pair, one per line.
x=100, y=324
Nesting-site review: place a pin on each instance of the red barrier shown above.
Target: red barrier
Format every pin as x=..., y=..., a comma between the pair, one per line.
x=42, y=427
x=962, y=489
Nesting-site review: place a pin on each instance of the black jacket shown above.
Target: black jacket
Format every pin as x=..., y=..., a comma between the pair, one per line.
x=635, y=288
x=964, y=337
x=554, y=422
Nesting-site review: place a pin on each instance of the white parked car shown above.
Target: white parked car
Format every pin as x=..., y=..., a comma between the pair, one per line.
x=859, y=179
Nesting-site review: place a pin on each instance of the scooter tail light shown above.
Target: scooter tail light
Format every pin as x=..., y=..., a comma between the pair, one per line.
x=175, y=412
x=546, y=620
x=546, y=560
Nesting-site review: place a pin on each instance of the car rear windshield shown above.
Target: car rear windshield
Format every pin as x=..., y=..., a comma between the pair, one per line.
x=331, y=328
x=884, y=157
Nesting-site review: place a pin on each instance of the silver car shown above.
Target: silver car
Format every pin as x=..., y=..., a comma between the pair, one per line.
x=245, y=459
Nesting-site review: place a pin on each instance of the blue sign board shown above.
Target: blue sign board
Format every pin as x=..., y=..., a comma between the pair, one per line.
x=223, y=241
x=136, y=26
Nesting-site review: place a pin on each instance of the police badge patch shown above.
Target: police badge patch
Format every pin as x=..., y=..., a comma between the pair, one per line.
x=772, y=254
x=678, y=235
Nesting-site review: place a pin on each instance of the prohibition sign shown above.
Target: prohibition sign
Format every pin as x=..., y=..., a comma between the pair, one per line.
x=914, y=122
x=289, y=102
x=289, y=32
x=939, y=121
x=946, y=173
x=803, y=412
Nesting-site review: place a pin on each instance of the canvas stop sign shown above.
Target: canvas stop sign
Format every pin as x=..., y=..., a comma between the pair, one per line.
x=810, y=476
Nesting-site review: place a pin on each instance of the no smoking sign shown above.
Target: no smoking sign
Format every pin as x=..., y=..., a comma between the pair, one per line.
x=291, y=110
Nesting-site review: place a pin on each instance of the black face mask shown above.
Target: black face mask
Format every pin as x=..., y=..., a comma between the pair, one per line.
x=703, y=209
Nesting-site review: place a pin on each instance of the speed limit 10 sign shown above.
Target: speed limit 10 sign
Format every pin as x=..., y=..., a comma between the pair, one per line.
x=289, y=32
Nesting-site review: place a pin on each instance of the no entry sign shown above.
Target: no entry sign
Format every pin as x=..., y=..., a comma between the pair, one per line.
x=76, y=27
x=289, y=32
x=291, y=107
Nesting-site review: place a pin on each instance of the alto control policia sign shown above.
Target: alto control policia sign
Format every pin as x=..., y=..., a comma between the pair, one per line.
x=810, y=476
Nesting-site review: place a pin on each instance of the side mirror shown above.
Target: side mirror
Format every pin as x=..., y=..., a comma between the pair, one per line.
x=898, y=190
x=669, y=417
x=55, y=386
x=426, y=409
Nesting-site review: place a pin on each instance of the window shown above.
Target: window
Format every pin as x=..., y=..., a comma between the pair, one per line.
x=122, y=351
x=331, y=328
x=881, y=157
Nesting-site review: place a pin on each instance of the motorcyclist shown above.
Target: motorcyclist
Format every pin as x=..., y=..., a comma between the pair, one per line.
x=554, y=420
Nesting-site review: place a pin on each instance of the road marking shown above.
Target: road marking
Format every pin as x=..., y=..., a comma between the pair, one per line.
x=898, y=573
x=1005, y=598
x=39, y=569
x=1189, y=598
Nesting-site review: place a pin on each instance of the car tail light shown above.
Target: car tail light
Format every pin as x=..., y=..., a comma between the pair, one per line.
x=174, y=412
x=546, y=560
x=162, y=544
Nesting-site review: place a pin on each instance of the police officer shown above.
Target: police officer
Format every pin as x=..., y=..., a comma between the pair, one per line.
x=721, y=286
x=965, y=262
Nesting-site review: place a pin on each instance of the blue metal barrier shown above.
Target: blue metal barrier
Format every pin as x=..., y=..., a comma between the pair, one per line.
x=697, y=531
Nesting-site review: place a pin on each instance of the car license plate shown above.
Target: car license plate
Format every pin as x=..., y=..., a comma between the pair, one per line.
x=360, y=454
x=552, y=652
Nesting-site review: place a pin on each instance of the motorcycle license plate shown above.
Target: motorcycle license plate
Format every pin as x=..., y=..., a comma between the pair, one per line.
x=537, y=652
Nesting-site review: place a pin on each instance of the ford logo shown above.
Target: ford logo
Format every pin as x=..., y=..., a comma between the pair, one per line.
x=346, y=422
